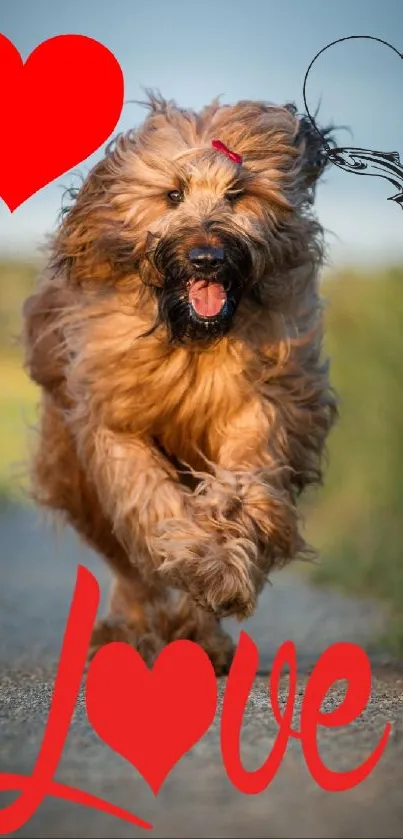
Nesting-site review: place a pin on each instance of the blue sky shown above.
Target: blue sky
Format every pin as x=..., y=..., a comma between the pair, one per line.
x=259, y=49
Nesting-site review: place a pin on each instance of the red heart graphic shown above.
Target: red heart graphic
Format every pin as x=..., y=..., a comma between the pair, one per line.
x=151, y=717
x=56, y=110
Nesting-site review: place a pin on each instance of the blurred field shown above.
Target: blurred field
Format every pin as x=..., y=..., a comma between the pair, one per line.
x=356, y=520
x=18, y=396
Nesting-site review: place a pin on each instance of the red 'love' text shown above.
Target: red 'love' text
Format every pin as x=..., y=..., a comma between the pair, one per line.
x=340, y=661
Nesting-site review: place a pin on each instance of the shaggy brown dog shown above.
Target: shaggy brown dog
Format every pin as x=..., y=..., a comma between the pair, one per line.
x=176, y=337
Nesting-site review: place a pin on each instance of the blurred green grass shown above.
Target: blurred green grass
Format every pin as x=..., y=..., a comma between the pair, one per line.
x=18, y=396
x=356, y=519
x=18, y=399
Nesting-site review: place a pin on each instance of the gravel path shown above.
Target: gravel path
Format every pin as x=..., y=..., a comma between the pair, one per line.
x=37, y=576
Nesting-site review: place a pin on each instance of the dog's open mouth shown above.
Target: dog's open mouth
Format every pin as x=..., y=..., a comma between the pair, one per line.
x=207, y=298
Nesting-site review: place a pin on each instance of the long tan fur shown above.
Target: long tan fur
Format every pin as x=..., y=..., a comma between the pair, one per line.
x=182, y=463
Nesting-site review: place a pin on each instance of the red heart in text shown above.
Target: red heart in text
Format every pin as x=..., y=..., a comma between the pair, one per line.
x=151, y=717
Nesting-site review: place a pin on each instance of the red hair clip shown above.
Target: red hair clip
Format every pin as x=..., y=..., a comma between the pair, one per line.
x=217, y=144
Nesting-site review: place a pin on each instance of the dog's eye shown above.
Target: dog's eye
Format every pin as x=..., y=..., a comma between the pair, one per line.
x=176, y=196
x=234, y=195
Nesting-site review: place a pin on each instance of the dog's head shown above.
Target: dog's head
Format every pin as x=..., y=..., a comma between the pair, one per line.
x=210, y=212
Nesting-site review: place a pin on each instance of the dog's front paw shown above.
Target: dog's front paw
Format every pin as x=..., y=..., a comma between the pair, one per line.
x=251, y=508
x=220, y=577
x=224, y=590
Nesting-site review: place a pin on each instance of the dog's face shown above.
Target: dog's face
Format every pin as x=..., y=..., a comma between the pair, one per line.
x=209, y=228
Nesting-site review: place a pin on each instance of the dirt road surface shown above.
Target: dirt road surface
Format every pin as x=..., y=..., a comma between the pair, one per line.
x=37, y=577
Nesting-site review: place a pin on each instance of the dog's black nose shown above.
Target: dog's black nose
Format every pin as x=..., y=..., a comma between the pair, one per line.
x=206, y=259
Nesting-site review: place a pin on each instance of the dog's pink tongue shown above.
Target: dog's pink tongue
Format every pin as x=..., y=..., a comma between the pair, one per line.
x=207, y=299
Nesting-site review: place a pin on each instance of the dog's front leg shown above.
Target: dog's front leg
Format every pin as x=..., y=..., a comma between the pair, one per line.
x=251, y=490
x=246, y=516
x=249, y=518
x=253, y=483
x=138, y=490
x=167, y=533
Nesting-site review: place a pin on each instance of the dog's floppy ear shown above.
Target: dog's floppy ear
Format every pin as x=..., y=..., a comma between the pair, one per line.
x=314, y=144
x=92, y=242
